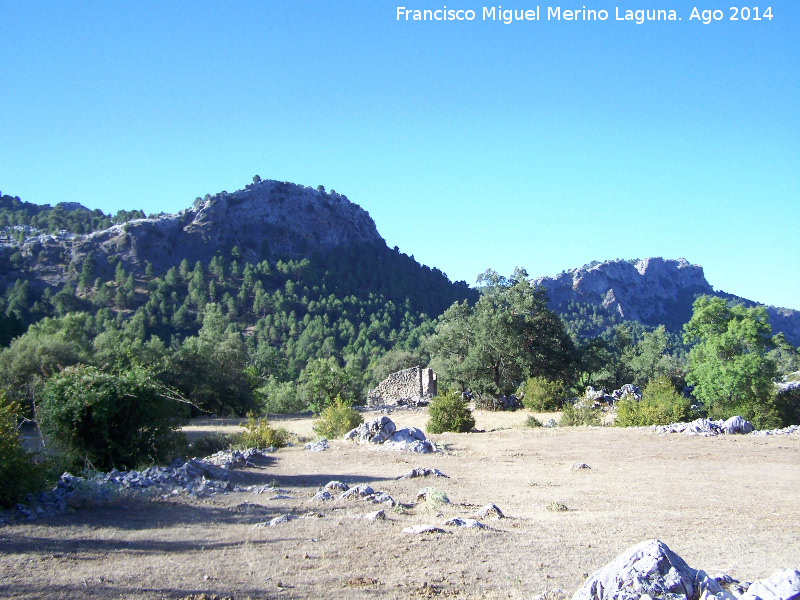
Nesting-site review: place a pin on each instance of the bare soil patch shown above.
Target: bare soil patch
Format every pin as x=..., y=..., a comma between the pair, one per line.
x=723, y=503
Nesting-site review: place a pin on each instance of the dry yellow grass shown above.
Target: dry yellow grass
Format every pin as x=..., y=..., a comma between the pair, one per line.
x=724, y=503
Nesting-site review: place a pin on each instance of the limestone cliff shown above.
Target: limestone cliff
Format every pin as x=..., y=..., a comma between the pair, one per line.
x=652, y=291
x=268, y=218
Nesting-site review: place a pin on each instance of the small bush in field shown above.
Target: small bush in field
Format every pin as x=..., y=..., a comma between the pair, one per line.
x=259, y=434
x=210, y=444
x=578, y=414
x=542, y=395
x=336, y=419
x=532, y=421
x=660, y=405
x=448, y=411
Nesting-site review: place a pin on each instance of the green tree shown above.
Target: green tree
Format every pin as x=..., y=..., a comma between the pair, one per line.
x=18, y=473
x=651, y=360
x=110, y=420
x=323, y=380
x=728, y=363
x=508, y=336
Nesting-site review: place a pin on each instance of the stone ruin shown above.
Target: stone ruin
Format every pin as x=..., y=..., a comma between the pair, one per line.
x=406, y=387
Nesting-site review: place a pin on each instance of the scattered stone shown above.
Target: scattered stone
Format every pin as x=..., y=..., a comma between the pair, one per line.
x=784, y=431
x=631, y=391
x=491, y=511
x=280, y=497
x=282, y=519
x=706, y=427
x=423, y=472
x=360, y=491
x=319, y=446
x=337, y=485
x=382, y=498
x=417, y=529
x=783, y=585
x=550, y=423
x=579, y=466
x=468, y=523
x=322, y=495
x=653, y=570
x=378, y=515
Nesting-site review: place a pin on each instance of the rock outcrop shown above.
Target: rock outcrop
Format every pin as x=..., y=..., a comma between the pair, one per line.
x=651, y=570
x=276, y=217
x=653, y=291
x=382, y=430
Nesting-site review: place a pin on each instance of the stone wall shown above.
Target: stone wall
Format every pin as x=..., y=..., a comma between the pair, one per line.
x=404, y=387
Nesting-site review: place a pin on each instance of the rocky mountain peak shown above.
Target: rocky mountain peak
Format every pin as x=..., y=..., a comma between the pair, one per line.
x=640, y=290
x=654, y=291
x=267, y=218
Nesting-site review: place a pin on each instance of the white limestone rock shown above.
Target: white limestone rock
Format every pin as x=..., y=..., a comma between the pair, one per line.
x=783, y=585
x=650, y=569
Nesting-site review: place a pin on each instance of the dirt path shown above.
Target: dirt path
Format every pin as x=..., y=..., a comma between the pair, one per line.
x=724, y=503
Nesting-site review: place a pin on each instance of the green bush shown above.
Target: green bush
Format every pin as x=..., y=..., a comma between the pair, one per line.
x=542, y=395
x=580, y=413
x=448, y=411
x=110, y=420
x=787, y=403
x=660, y=405
x=209, y=444
x=532, y=421
x=259, y=434
x=18, y=473
x=336, y=419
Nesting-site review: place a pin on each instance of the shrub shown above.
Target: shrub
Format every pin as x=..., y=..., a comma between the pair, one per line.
x=336, y=419
x=579, y=414
x=660, y=405
x=110, y=420
x=787, y=403
x=532, y=421
x=542, y=395
x=448, y=411
x=210, y=444
x=259, y=434
x=18, y=473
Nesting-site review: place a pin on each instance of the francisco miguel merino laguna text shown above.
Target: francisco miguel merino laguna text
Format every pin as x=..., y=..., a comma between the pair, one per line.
x=507, y=16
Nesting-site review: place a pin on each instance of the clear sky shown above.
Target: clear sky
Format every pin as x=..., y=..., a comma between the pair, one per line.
x=473, y=144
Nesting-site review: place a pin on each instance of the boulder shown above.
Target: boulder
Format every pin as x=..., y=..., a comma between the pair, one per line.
x=491, y=511
x=737, y=425
x=650, y=569
x=423, y=472
x=783, y=585
x=417, y=529
x=376, y=431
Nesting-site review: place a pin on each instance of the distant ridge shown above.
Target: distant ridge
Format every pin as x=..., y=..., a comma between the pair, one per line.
x=652, y=291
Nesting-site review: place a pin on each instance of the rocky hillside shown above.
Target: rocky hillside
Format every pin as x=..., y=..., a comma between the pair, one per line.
x=266, y=219
x=652, y=291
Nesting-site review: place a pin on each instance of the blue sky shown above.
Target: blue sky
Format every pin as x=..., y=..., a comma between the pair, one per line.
x=473, y=145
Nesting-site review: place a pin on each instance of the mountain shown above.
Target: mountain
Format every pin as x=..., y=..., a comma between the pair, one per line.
x=652, y=291
x=305, y=248
x=266, y=219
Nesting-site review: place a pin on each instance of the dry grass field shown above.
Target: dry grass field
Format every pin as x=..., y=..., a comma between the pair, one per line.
x=726, y=504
